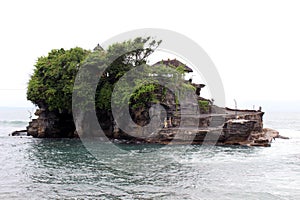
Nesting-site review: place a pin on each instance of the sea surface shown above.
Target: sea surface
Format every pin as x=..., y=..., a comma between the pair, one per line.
x=64, y=169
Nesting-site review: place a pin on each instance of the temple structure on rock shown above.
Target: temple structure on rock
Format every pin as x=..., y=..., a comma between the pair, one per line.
x=229, y=126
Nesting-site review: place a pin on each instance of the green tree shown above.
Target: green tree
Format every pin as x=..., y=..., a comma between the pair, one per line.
x=51, y=84
x=119, y=59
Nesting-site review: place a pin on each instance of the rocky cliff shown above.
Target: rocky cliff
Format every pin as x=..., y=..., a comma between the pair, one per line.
x=229, y=126
x=51, y=124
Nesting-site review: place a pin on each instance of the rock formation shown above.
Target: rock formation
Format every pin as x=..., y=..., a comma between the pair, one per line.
x=231, y=127
x=193, y=122
x=51, y=124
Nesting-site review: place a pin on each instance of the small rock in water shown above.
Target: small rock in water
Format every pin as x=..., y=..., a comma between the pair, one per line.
x=19, y=133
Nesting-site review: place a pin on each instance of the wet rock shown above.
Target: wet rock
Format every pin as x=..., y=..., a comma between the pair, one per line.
x=282, y=137
x=51, y=124
x=19, y=133
x=236, y=131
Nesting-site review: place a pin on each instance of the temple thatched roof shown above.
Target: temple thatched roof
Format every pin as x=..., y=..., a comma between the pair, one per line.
x=98, y=48
x=173, y=63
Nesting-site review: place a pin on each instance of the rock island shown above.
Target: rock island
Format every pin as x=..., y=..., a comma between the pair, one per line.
x=51, y=87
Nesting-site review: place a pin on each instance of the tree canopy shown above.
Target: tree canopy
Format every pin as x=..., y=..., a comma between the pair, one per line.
x=51, y=84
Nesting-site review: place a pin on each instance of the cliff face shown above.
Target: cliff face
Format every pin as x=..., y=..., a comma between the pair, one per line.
x=232, y=127
x=223, y=126
x=51, y=125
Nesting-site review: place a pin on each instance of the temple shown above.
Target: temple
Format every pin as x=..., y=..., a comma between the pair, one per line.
x=195, y=122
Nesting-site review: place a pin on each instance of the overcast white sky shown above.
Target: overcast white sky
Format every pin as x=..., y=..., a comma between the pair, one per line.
x=255, y=45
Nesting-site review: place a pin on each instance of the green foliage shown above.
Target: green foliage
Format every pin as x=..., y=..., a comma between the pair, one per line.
x=103, y=96
x=51, y=84
x=180, y=70
x=145, y=84
x=87, y=79
x=143, y=96
x=204, y=105
x=119, y=59
x=188, y=87
x=52, y=81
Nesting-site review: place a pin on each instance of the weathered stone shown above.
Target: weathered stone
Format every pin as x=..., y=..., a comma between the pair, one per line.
x=51, y=124
x=183, y=124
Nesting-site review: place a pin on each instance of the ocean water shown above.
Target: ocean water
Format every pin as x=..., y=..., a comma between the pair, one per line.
x=64, y=169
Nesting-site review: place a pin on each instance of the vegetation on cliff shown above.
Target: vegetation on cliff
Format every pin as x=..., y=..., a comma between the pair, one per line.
x=52, y=87
x=119, y=59
x=52, y=84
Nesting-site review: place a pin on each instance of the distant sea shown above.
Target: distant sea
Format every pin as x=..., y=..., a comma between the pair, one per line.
x=63, y=169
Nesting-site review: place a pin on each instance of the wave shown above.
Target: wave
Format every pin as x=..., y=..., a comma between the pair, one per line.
x=291, y=133
x=13, y=122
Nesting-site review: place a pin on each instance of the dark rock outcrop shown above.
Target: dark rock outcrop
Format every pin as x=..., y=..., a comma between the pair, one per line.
x=19, y=133
x=51, y=124
x=236, y=131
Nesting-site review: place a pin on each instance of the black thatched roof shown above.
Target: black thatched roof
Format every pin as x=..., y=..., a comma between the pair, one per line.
x=98, y=48
x=173, y=63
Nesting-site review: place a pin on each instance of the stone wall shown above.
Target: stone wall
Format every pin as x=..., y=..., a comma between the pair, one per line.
x=238, y=130
x=254, y=115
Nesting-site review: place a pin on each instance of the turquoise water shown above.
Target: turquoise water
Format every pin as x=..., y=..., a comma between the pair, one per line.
x=63, y=168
